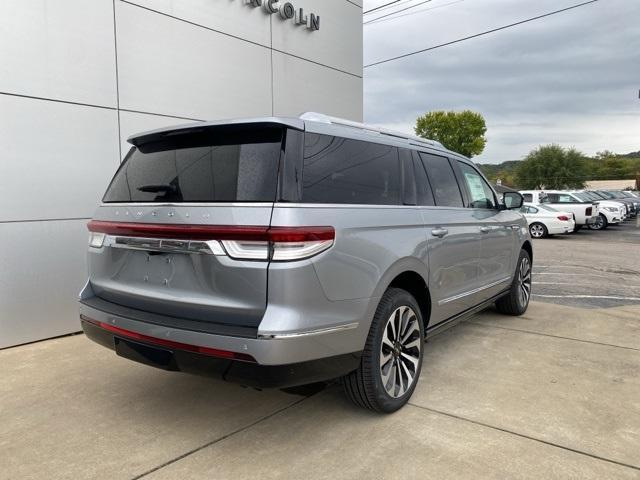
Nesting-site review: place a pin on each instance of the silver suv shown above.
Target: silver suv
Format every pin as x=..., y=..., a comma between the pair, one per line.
x=279, y=252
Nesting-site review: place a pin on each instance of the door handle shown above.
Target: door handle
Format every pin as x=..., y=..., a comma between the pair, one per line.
x=439, y=232
x=485, y=229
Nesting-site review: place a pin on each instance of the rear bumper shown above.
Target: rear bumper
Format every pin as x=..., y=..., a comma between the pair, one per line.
x=560, y=229
x=237, y=371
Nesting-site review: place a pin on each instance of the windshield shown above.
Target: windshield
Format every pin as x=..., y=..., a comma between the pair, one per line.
x=222, y=165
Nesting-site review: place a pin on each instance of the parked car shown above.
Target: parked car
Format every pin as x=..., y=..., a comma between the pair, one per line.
x=610, y=212
x=545, y=220
x=277, y=252
x=585, y=212
x=619, y=196
x=599, y=196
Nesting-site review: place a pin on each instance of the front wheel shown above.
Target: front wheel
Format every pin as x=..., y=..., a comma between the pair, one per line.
x=600, y=224
x=392, y=358
x=517, y=300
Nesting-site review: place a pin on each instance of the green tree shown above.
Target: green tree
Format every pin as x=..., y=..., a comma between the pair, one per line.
x=551, y=166
x=462, y=132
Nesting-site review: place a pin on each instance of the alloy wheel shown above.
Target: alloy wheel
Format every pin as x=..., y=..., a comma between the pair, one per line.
x=537, y=231
x=524, y=281
x=598, y=224
x=400, y=351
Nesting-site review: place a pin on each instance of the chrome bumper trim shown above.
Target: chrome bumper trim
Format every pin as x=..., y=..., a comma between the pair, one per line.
x=320, y=331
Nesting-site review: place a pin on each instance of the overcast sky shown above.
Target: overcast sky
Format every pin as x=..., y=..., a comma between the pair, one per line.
x=572, y=78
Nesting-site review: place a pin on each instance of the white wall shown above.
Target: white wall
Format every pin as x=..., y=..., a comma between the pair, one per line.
x=78, y=77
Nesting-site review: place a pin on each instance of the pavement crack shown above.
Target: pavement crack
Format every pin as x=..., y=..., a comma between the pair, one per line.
x=528, y=437
x=555, y=336
x=213, y=442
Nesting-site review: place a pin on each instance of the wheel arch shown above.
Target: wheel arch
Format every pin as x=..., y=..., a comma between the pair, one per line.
x=409, y=275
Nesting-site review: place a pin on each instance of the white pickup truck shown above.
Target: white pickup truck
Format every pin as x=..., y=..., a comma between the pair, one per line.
x=584, y=212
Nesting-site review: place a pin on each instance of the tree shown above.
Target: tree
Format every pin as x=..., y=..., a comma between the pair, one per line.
x=461, y=132
x=553, y=167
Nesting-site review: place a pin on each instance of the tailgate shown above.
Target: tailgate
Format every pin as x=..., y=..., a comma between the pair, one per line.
x=178, y=232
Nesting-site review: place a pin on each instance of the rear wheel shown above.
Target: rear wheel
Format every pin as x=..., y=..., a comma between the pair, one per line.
x=392, y=357
x=538, y=230
x=517, y=300
x=600, y=224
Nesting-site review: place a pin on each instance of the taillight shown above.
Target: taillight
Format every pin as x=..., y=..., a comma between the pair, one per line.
x=564, y=218
x=295, y=243
x=588, y=211
x=239, y=242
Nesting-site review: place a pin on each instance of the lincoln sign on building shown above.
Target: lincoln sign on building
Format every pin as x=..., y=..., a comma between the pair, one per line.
x=78, y=77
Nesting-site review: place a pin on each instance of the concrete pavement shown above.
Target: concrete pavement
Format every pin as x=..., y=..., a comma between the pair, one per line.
x=552, y=394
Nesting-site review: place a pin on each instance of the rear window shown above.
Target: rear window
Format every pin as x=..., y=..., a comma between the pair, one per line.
x=215, y=165
x=341, y=170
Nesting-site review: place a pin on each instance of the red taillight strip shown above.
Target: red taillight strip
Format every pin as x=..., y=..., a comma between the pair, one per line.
x=211, y=352
x=213, y=232
x=179, y=232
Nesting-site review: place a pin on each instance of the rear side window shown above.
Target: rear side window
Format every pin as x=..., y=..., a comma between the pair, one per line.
x=206, y=166
x=443, y=181
x=528, y=197
x=340, y=170
x=561, y=198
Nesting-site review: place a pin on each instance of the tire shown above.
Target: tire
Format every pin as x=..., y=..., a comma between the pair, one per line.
x=538, y=230
x=517, y=300
x=601, y=223
x=366, y=386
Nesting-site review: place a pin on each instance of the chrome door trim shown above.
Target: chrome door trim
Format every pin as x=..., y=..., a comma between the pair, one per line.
x=473, y=292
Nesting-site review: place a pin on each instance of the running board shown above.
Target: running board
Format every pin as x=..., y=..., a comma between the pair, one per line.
x=450, y=322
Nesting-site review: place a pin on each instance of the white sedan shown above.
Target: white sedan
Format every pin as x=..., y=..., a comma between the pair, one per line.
x=544, y=220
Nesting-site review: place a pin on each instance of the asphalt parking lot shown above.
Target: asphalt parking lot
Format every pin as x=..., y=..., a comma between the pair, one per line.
x=552, y=394
x=589, y=269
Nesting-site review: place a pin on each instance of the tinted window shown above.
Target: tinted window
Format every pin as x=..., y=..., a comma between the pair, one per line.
x=528, y=197
x=480, y=194
x=423, y=188
x=340, y=170
x=408, y=177
x=443, y=181
x=203, y=167
x=561, y=198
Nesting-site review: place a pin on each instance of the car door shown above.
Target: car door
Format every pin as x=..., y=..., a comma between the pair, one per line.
x=453, y=238
x=497, y=228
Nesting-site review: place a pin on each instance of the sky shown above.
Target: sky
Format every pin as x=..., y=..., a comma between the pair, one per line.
x=571, y=78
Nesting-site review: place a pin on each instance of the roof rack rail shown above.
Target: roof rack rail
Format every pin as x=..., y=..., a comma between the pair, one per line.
x=412, y=139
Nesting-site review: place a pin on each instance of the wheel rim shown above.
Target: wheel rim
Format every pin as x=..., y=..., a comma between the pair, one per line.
x=400, y=351
x=599, y=223
x=537, y=231
x=524, y=282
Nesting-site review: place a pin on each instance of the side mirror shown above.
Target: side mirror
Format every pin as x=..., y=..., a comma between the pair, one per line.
x=513, y=200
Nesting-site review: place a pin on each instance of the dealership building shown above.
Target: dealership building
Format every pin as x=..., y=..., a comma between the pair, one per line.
x=78, y=77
